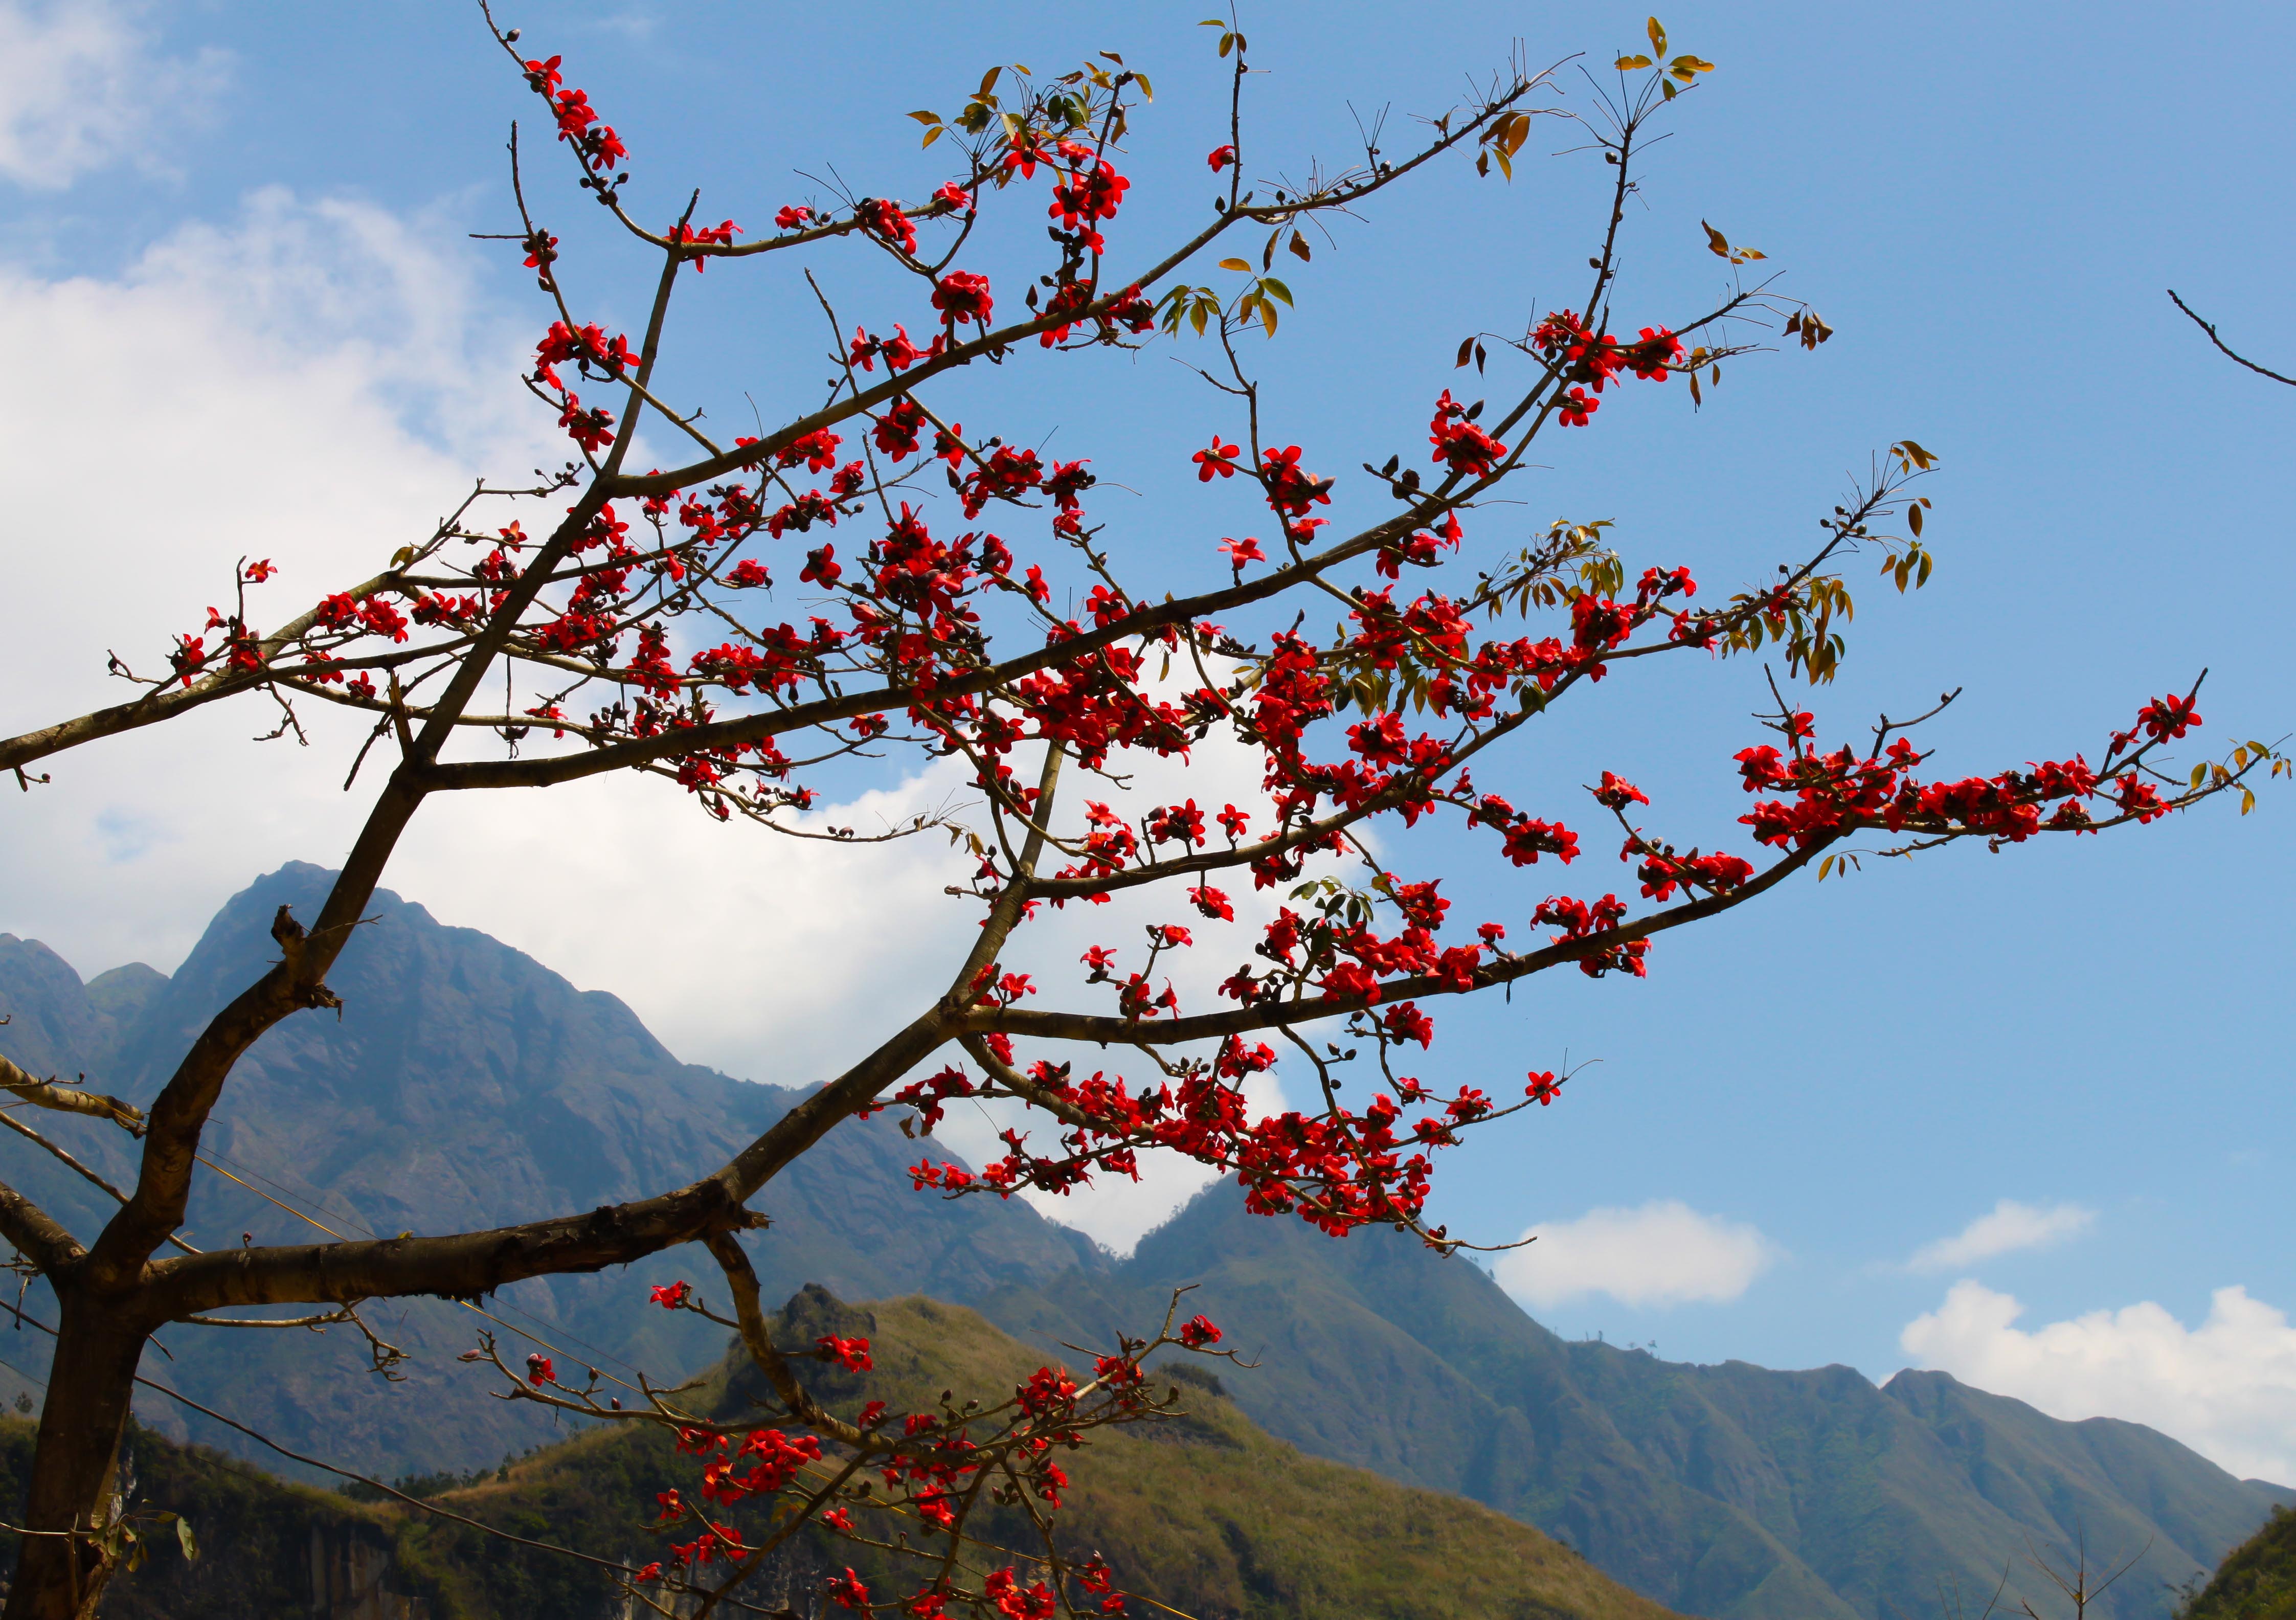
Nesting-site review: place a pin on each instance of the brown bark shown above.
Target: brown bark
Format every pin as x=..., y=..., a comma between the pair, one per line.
x=99, y=1345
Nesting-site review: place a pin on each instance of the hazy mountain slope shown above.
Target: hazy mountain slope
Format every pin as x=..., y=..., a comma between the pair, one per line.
x=464, y=1085
x=1206, y=1513
x=1730, y=1490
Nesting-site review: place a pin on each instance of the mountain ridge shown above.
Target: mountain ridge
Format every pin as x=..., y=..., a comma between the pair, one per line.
x=1730, y=1490
x=466, y=1084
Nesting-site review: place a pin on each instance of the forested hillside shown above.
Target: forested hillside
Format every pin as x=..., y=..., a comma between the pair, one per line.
x=1204, y=1513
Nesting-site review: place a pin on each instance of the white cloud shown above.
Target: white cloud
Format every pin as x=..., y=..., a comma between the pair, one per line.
x=82, y=86
x=2226, y=1388
x=2009, y=1227
x=315, y=382
x=1662, y=1253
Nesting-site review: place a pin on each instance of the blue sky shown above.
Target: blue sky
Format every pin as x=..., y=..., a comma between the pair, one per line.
x=1986, y=201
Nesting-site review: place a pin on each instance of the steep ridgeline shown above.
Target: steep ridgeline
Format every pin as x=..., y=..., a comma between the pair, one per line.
x=464, y=1086
x=1727, y=1491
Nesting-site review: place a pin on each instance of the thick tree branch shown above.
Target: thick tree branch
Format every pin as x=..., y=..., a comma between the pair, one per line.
x=36, y=1234
x=69, y=1099
x=468, y=1265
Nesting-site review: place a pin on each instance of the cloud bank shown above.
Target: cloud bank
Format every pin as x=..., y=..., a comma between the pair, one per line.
x=2226, y=1388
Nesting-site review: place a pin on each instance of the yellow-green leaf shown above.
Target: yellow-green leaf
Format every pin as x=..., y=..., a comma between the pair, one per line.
x=1234, y=264
x=1271, y=284
x=1657, y=36
x=1147, y=90
x=2247, y=800
x=932, y=135
x=926, y=118
x=1628, y=64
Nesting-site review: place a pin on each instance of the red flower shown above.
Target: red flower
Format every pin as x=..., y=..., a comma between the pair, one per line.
x=1198, y=1331
x=1618, y=793
x=1240, y=552
x=886, y=221
x=1219, y=158
x=1219, y=460
x=1458, y=442
x=716, y=236
x=675, y=1295
x=848, y=1592
x=962, y=296
x=792, y=217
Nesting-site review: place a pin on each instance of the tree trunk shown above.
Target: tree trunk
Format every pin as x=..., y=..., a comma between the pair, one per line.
x=90, y=1387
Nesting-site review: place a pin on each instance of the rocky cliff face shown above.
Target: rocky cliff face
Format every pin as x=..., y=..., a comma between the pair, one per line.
x=464, y=1085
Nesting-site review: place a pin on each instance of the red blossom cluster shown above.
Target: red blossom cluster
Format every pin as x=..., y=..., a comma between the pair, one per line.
x=1581, y=358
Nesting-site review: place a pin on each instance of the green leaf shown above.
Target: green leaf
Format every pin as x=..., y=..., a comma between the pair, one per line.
x=185, y=1540
x=1269, y=283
